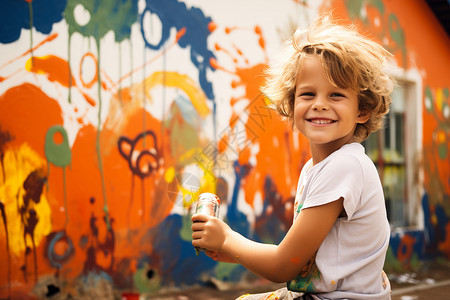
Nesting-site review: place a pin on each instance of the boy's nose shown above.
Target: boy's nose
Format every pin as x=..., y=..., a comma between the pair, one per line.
x=320, y=104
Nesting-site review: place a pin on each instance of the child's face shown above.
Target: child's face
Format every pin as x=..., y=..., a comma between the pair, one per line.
x=327, y=115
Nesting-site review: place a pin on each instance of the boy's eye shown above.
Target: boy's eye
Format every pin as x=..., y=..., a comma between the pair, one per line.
x=307, y=95
x=337, y=95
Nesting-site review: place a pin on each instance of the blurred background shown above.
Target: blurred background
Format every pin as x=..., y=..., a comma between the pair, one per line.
x=116, y=115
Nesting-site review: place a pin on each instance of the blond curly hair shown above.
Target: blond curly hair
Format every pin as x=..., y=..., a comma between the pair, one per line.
x=350, y=60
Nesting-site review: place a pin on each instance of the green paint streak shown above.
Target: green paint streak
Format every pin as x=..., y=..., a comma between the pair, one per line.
x=429, y=95
x=144, y=104
x=105, y=16
x=185, y=231
x=398, y=35
x=354, y=8
x=446, y=92
x=131, y=62
x=120, y=74
x=30, y=9
x=378, y=4
x=99, y=125
x=391, y=263
x=442, y=150
x=58, y=154
x=69, y=98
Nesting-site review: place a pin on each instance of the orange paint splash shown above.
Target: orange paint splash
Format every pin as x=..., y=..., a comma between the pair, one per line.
x=213, y=62
x=244, y=156
x=405, y=249
x=27, y=113
x=212, y=26
x=180, y=34
x=88, y=99
x=228, y=30
x=90, y=83
x=219, y=48
x=55, y=68
x=222, y=144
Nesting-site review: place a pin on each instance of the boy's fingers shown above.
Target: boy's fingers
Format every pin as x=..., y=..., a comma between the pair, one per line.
x=196, y=235
x=197, y=226
x=200, y=218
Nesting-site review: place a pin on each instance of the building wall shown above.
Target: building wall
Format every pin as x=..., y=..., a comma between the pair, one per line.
x=114, y=116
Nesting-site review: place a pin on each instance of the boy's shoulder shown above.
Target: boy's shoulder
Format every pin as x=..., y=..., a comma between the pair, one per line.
x=349, y=153
x=349, y=158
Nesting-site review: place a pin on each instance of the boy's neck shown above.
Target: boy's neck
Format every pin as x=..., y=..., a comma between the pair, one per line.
x=321, y=151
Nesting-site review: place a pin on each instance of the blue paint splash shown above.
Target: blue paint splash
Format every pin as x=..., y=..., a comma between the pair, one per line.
x=178, y=263
x=236, y=219
x=268, y=227
x=15, y=16
x=175, y=14
x=435, y=232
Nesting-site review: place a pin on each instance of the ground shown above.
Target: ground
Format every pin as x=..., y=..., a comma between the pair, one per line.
x=431, y=282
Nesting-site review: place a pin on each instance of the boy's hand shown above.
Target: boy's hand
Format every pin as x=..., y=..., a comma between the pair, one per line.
x=208, y=232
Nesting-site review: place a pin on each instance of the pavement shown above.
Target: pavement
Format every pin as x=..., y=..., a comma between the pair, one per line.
x=431, y=282
x=437, y=290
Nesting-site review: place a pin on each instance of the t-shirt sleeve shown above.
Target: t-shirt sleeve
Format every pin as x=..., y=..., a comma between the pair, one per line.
x=339, y=177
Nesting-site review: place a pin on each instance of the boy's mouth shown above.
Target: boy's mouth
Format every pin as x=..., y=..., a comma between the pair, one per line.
x=321, y=121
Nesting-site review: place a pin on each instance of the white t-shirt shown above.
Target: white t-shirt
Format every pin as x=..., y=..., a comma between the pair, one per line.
x=349, y=262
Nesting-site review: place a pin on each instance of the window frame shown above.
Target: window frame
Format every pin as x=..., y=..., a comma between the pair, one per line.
x=411, y=82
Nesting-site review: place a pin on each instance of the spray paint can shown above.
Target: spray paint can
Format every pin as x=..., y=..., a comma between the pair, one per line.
x=207, y=204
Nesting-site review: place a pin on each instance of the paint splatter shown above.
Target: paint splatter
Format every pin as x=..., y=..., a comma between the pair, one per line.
x=15, y=16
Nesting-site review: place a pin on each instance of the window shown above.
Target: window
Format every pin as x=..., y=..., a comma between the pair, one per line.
x=394, y=150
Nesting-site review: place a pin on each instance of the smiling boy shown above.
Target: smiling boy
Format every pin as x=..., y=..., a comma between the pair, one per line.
x=333, y=89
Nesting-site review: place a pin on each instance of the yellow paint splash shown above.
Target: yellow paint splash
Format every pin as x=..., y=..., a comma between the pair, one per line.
x=183, y=82
x=207, y=180
x=169, y=175
x=18, y=164
x=439, y=99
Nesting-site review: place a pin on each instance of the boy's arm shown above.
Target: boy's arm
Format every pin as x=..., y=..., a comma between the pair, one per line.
x=276, y=263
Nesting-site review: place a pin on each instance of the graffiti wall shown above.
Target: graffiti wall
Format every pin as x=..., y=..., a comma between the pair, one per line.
x=115, y=115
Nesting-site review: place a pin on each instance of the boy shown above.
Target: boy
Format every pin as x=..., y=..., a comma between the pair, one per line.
x=333, y=89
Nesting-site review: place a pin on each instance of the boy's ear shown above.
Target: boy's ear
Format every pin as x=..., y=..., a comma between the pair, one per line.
x=363, y=117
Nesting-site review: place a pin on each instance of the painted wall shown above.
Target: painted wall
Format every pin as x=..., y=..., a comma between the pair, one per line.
x=115, y=115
